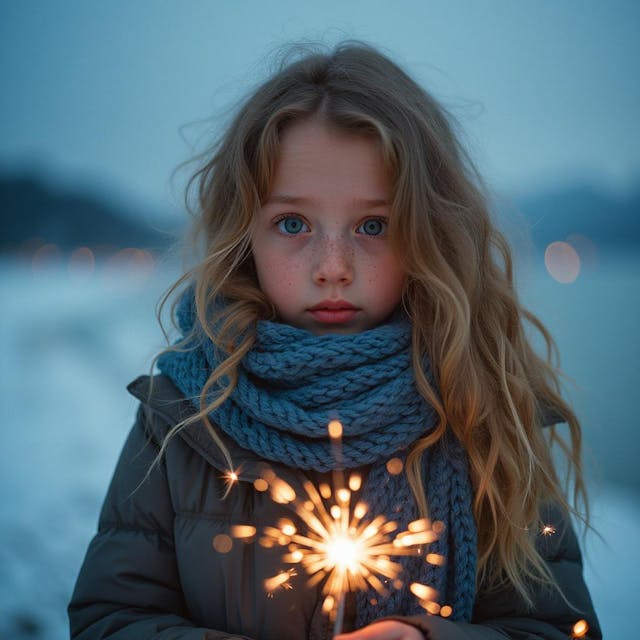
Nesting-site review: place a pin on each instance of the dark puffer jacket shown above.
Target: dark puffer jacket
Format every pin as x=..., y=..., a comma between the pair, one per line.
x=151, y=570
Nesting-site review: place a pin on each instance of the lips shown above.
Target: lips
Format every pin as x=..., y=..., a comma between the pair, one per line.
x=333, y=311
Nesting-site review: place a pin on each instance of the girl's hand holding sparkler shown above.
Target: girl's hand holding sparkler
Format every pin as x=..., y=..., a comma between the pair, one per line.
x=384, y=630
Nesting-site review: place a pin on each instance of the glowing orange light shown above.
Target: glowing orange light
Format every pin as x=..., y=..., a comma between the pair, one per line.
x=580, y=628
x=562, y=262
x=435, y=559
x=438, y=527
x=222, y=543
x=335, y=429
x=394, y=466
x=446, y=611
x=281, y=492
x=355, y=482
x=423, y=592
x=340, y=546
x=260, y=484
x=433, y=608
x=287, y=527
x=280, y=581
x=328, y=604
x=244, y=531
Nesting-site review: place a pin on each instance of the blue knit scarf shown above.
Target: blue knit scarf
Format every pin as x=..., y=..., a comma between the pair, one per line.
x=292, y=383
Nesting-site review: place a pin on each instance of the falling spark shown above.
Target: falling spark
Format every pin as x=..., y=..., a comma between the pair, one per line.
x=280, y=581
x=341, y=544
x=580, y=629
x=230, y=478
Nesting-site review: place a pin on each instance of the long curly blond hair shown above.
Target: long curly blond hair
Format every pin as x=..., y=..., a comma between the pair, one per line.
x=492, y=387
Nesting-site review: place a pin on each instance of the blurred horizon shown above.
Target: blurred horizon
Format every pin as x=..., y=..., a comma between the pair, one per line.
x=116, y=96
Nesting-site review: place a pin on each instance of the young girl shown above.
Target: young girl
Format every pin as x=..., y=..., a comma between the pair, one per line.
x=351, y=271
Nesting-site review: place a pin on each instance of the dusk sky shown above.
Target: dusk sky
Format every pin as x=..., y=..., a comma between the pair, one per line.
x=113, y=94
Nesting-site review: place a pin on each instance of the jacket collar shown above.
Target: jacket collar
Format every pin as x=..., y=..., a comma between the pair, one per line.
x=162, y=397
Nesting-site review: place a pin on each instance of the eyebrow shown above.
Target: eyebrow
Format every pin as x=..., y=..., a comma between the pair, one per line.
x=357, y=203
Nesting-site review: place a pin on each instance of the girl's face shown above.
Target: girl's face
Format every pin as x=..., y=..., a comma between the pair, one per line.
x=320, y=243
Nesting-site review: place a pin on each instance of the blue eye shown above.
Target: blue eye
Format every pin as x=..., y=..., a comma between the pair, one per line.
x=373, y=227
x=291, y=225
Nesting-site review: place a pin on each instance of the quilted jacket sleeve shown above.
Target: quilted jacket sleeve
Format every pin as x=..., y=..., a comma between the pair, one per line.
x=502, y=615
x=128, y=586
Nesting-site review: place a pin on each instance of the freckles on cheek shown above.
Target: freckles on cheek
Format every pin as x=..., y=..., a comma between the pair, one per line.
x=284, y=273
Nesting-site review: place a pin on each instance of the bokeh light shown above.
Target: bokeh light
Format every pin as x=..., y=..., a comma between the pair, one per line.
x=46, y=257
x=260, y=484
x=136, y=264
x=394, y=466
x=562, y=262
x=222, y=543
x=81, y=263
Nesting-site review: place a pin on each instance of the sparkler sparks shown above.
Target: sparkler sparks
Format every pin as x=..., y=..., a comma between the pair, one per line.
x=342, y=545
x=279, y=581
x=230, y=478
x=548, y=530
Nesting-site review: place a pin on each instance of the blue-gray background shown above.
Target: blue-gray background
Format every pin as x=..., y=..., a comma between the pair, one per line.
x=100, y=102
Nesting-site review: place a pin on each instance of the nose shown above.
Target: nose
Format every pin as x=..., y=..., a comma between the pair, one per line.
x=333, y=263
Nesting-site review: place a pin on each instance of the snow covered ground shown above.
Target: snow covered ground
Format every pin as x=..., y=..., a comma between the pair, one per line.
x=71, y=343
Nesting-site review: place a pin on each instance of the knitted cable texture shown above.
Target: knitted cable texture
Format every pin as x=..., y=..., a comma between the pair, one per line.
x=292, y=383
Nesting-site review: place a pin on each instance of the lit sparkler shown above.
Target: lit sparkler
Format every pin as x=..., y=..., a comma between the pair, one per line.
x=342, y=545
